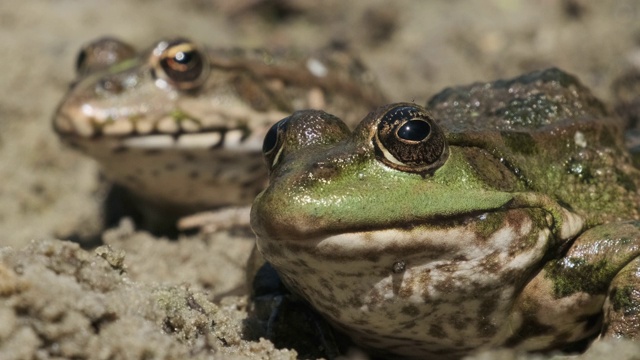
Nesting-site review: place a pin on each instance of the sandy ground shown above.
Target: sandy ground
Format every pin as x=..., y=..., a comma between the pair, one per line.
x=129, y=295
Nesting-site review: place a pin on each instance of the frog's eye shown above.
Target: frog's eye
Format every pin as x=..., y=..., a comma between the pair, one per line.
x=272, y=144
x=181, y=63
x=101, y=54
x=409, y=140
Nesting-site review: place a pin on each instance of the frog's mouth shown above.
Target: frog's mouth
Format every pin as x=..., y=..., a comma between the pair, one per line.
x=211, y=130
x=232, y=139
x=237, y=139
x=319, y=218
x=166, y=134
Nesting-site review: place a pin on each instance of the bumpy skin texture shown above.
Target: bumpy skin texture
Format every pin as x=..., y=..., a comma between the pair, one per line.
x=181, y=126
x=504, y=215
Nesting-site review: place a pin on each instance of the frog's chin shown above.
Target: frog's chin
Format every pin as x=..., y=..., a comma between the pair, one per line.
x=430, y=272
x=462, y=237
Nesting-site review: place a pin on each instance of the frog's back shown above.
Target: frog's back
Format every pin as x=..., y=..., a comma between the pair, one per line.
x=553, y=134
x=331, y=78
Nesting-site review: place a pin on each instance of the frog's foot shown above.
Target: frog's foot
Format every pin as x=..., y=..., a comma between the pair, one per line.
x=218, y=220
x=622, y=308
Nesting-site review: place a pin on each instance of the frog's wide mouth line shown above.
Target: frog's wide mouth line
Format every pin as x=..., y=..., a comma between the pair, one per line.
x=310, y=235
x=209, y=139
x=228, y=139
x=433, y=238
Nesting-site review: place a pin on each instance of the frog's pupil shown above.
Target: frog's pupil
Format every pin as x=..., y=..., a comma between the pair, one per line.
x=183, y=57
x=414, y=130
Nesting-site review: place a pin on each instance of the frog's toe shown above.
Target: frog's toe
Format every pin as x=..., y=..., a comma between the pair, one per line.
x=622, y=308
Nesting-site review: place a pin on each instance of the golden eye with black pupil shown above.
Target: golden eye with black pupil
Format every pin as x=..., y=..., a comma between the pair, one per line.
x=408, y=139
x=182, y=64
x=272, y=144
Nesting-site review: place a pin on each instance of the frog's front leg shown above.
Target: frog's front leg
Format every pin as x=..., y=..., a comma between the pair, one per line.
x=608, y=258
x=216, y=220
x=622, y=308
x=592, y=288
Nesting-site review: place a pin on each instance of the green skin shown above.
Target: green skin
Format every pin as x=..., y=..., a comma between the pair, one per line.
x=556, y=162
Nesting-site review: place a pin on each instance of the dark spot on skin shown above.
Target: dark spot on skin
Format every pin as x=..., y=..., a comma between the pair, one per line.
x=410, y=310
x=437, y=331
x=323, y=170
x=194, y=174
x=460, y=321
x=625, y=181
x=520, y=142
x=153, y=152
x=623, y=299
x=120, y=150
x=487, y=307
x=343, y=286
x=326, y=284
x=448, y=284
x=530, y=328
x=486, y=328
x=573, y=274
x=188, y=157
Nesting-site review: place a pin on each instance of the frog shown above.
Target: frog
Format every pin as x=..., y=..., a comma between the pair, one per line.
x=179, y=125
x=500, y=215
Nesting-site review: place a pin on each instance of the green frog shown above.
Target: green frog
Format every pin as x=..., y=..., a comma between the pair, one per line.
x=180, y=126
x=503, y=214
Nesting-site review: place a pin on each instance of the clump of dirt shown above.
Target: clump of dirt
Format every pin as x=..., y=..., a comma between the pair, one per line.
x=60, y=301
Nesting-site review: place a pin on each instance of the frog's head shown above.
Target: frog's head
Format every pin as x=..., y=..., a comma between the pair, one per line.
x=396, y=170
x=165, y=123
x=399, y=220
x=166, y=97
x=120, y=92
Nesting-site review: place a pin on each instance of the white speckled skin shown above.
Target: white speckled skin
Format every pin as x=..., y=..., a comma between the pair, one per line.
x=458, y=292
